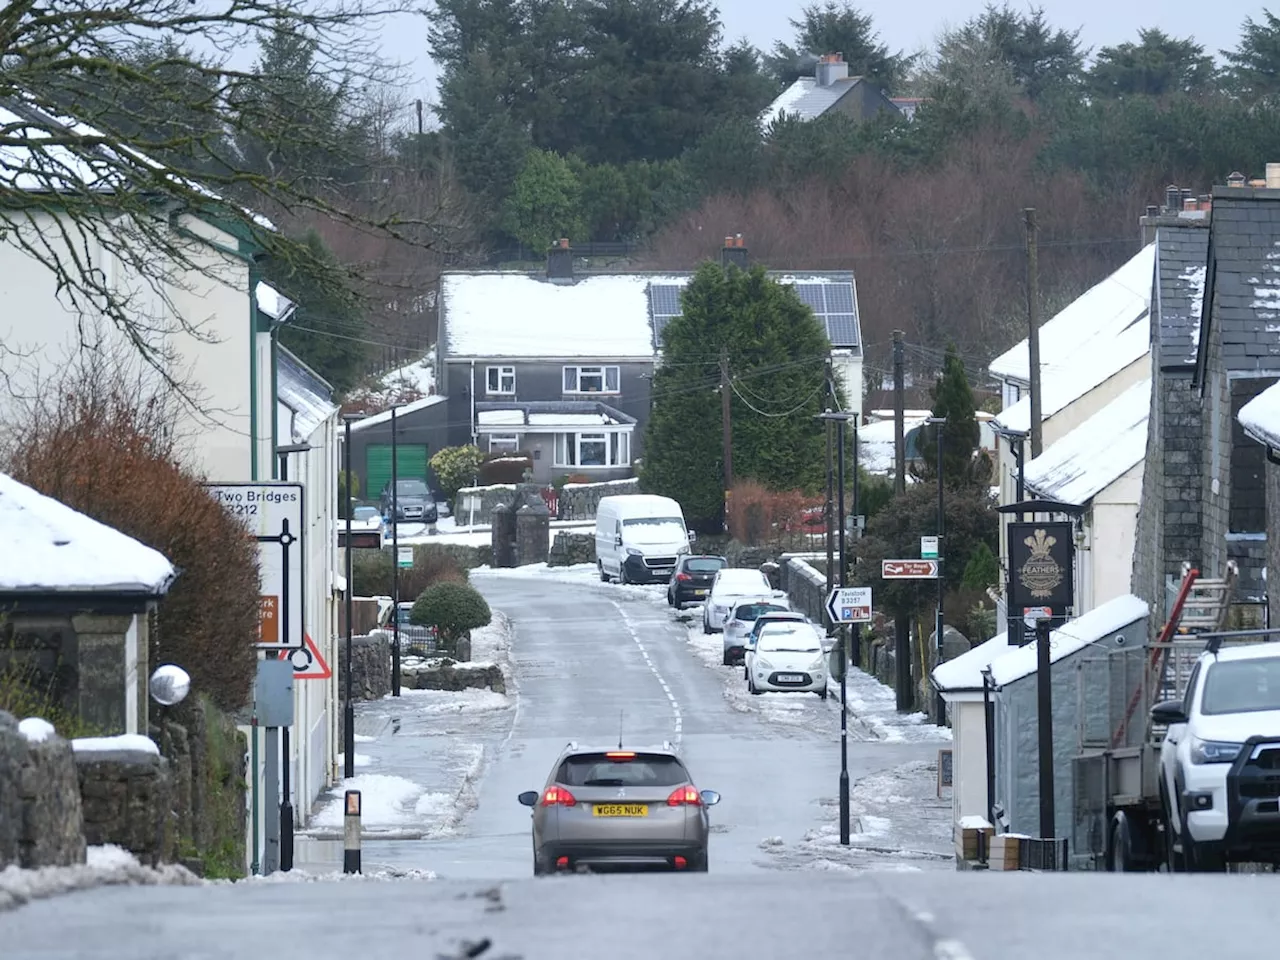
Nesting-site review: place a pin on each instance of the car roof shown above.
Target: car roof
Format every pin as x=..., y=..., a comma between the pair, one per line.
x=744, y=574
x=752, y=599
x=783, y=616
x=1248, y=651
x=703, y=556
x=574, y=748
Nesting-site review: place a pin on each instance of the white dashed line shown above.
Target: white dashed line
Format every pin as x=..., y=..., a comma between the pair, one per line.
x=675, y=705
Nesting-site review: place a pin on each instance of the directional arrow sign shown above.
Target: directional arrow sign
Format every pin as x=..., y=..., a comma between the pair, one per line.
x=909, y=569
x=850, y=605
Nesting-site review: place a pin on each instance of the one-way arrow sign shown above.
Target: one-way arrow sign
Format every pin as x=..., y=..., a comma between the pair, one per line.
x=909, y=569
x=850, y=605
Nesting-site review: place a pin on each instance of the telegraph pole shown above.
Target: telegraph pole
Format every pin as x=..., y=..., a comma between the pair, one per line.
x=941, y=706
x=1033, y=330
x=901, y=624
x=844, y=655
x=830, y=505
x=348, y=707
x=726, y=428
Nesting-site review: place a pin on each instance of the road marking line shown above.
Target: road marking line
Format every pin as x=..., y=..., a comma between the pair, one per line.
x=675, y=705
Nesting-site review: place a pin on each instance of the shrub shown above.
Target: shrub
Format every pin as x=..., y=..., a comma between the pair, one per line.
x=372, y=572
x=983, y=569
x=455, y=468
x=758, y=515
x=104, y=446
x=454, y=609
x=504, y=468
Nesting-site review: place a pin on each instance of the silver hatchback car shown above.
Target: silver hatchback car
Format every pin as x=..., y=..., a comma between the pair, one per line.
x=607, y=807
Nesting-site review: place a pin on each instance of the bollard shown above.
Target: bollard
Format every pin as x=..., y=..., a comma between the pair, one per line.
x=351, y=833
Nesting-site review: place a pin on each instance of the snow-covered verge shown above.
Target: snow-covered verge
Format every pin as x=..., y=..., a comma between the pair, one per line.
x=896, y=823
x=874, y=706
x=105, y=866
x=305, y=876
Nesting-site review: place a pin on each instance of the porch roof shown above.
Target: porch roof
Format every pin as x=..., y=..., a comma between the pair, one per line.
x=550, y=416
x=1097, y=453
x=51, y=548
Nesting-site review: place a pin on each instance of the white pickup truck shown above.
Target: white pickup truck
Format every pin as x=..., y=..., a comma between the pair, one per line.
x=1220, y=760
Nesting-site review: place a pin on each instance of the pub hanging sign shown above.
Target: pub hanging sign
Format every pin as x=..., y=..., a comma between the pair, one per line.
x=1041, y=557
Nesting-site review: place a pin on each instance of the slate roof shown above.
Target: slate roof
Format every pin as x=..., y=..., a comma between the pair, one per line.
x=1182, y=250
x=1243, y=280
x=305, y=393
x=806, y=99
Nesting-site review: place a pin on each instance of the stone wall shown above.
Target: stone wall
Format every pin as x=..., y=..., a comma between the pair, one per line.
x=568, y=549
x=52, y=831
x=805, y=585
x=451, y=675
x=578, y=501
x=490, y=497
x=127, y=796
x=533, y=534
x=370, y=666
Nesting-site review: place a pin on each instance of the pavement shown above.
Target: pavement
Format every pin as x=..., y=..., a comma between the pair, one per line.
x=591, y=662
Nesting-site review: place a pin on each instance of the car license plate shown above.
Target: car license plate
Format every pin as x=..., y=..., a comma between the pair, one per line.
x=790, y=678
x=664, y=571
x=620, y=810
x=700, y=593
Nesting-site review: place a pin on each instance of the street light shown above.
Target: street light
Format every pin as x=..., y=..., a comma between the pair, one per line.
x=286, y=795
x=941, y=705
x=348, y=709
x=840, y=419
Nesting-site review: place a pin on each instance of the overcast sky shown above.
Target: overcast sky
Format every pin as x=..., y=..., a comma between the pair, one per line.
x=911, y=25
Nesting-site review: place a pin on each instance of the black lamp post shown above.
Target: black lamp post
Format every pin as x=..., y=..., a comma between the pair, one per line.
x=348, y=709
x=395, y=567
x=286, y=792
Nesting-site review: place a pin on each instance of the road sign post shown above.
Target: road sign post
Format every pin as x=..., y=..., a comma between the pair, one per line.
x=909, y=569
x=850, y=605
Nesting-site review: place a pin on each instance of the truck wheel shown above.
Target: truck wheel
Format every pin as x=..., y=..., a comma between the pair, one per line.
x=604, y=577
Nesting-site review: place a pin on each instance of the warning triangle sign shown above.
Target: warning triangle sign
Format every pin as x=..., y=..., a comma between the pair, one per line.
x=307, y=662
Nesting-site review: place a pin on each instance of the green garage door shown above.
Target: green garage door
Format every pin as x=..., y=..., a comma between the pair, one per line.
x=411, y=465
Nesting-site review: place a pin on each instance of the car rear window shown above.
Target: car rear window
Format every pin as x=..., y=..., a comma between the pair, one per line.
x=753, y=611
x=704, y=564
x=601, y=770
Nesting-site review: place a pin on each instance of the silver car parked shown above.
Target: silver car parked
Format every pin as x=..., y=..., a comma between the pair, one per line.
x=607, y=807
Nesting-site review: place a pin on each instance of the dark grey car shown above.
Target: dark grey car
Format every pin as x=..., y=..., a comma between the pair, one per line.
x=604, y=807
x=414, y=502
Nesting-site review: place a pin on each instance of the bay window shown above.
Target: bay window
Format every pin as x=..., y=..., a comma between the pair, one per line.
x=593, y=449
x=591, y=380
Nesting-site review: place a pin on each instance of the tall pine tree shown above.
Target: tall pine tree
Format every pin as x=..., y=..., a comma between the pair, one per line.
x=776, y=351
x=962, y=462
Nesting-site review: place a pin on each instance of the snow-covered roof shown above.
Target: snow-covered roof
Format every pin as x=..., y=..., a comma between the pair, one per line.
x=50, y=548
x=306, y=396
x=272, y=302
x=877, y=444
x=1062, y=384
x=401, y=411
x=1096, y=316
x=63, y=168
x=496, y=418
x=806, y=99
x=1072, y=636
x=568, y=419
x=519, y=315
x=1260, y=417
x=965, y=671
x=1097, y=453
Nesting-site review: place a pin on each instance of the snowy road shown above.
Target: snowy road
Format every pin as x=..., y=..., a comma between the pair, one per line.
x=590, y=661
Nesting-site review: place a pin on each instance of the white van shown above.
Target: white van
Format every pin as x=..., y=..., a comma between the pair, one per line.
x=639, y=537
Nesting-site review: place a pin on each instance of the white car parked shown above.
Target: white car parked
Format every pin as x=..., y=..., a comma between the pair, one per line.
x=729, y=586
x=787, y=656
x=742, y=618
x=1219, y=758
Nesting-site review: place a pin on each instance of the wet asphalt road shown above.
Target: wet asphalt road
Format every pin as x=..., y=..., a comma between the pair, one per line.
x=592, y=661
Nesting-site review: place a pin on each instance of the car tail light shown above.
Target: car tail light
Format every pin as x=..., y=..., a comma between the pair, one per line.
x=620, y=755
x=683, y=576
x=684, y=795
x=681, y=863
x=562, y=862
x=556, y=795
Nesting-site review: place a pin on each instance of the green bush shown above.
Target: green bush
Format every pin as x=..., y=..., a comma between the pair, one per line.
x=455, y=468
x=454, y=609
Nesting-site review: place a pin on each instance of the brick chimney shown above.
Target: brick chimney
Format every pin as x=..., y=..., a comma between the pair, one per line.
x=831, y=67
x=560, y=261
x=735, y=252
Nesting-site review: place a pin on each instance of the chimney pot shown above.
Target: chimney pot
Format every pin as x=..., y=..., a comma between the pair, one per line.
x=1273, y=176
x=1190, y=203
x=1152, y=210
x=1235, y=179
x=735, y=253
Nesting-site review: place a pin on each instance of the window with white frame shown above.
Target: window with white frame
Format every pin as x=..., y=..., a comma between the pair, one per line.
x=591, y=380
x=593, y=449
x=503, y=443
x=500, y=380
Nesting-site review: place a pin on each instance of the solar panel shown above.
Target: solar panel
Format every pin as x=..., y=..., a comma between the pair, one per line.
x=839, y=297
x=664, y=299
x=842, y=329
x=811, y=295
x=659, y=324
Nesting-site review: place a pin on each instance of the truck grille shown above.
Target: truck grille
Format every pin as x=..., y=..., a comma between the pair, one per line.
x=659, y=561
